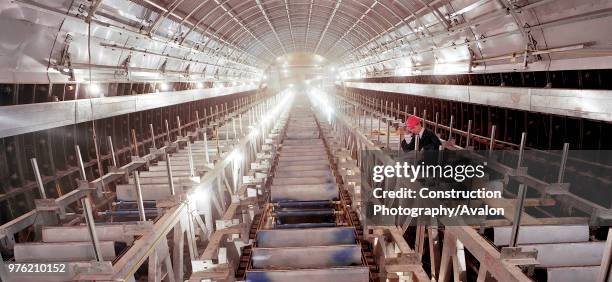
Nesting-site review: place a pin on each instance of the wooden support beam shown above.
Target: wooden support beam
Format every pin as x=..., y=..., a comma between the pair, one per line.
x=434, y=250
x=178, y=240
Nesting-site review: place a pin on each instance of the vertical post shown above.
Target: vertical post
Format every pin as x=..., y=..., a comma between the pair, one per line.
x=405, y=112
x=226, y=125
x=399, y=113
x=97, y=149
x=388, y=133
x=111, y=149
x=234, y=128
x=469, y=134
x=3, y=269
x=604, y=270
x=250, y=114
x=218, y=134
x=80, y=163
x=39, y=182
x=178, y=122
x=207, y=157
x=152, y=130
x=197, y=119
x=386, y=107
x=563, y=163
x=378, y=134
x=135, y=141
x=521, y=150
x=518, y=211
x=492, y=141
x=450, y=128
x=167, y=131
x=436, y=123
x=358, y=116
x=416, y=148
x=240, y=123
x=139, y=202
x=190, y=156
x=371, y=122
x=91, y=227
x=169, y=171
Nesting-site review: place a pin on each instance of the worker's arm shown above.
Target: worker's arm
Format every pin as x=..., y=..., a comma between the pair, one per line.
x=431, y=141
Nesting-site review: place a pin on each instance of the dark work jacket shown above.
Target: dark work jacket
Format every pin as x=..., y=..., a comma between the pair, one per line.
x=428, y=141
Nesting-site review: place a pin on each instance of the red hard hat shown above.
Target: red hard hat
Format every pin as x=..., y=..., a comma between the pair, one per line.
x=412, y=121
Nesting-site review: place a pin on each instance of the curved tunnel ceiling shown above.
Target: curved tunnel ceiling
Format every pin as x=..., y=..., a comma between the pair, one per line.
x=240, y=38
x=348, y=30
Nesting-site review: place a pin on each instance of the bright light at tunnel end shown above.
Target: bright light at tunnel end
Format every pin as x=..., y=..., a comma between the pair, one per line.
x=320, y=100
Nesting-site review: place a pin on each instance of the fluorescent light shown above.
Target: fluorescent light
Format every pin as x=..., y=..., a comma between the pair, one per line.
x=199, y=85
x=93, y=89
x=235, y=155
x=254, y=132
x=164, y=86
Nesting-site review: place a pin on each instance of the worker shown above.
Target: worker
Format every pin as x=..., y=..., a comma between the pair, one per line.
x=428, y=141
